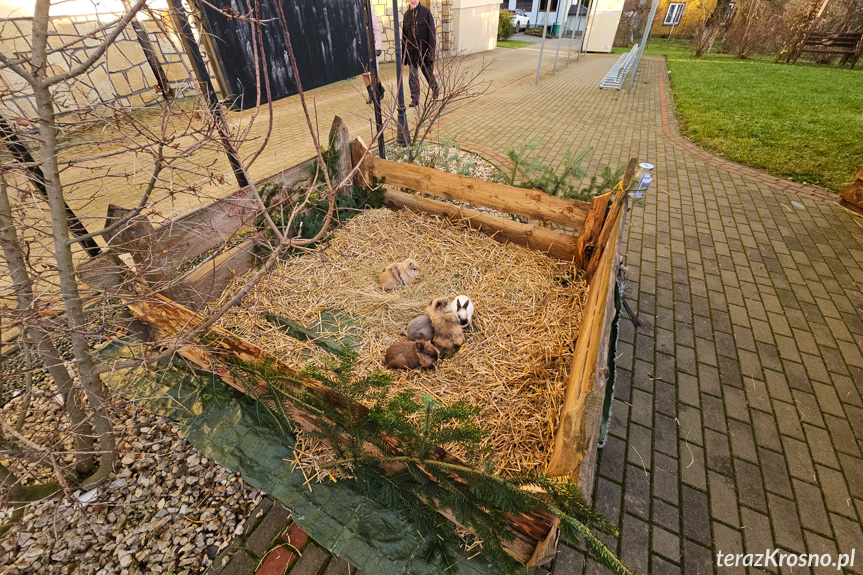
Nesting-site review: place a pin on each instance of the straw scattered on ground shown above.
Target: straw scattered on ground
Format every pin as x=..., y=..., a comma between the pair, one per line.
x=516, y=357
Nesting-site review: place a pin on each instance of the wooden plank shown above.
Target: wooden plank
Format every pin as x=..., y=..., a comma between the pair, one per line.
x=556, y=244
x=207, y=281
x=585, y=471
x=203, y=229
x=571, y=440
x=607, y=228
x=586, y=242
x=532, y=204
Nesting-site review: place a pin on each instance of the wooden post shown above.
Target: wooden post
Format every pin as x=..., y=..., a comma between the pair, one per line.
x=138, y=238
x=340, y=141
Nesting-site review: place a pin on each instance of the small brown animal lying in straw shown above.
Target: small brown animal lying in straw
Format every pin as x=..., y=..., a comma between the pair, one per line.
x=400, y=273
x=448, y=334
x=411, y=355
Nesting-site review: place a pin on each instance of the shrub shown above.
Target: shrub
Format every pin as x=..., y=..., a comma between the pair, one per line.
x=505, y=27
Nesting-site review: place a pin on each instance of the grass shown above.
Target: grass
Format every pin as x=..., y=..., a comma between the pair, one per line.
x=799, y=122
x=512, y=43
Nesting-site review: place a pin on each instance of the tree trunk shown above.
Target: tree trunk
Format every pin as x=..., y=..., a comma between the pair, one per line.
x=712, y=27
x=22, y=285
x=91, y=383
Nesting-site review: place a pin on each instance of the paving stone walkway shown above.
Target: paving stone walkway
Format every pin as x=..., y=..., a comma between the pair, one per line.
x=738, y=420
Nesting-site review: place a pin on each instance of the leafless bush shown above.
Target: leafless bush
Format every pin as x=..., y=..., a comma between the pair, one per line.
x=753, y=28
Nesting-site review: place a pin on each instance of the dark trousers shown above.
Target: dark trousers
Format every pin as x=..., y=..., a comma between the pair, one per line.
x=414, y=79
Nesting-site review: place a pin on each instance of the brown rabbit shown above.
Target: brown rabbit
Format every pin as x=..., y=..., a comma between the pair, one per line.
x=411, y=355
x=400, y=273
x=448, y=334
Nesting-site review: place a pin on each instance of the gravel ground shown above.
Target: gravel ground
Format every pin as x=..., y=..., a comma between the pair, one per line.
x=166, y=509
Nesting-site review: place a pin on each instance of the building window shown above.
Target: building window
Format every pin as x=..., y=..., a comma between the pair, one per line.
x=543, y=5
x=526, y=5
x=675, y=11
x=726, y=14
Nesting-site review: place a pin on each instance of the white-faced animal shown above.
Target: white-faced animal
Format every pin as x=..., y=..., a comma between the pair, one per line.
x=448, y=334
x=463, y=308
x=420, y=328
x=400, y=273
x=411, y=355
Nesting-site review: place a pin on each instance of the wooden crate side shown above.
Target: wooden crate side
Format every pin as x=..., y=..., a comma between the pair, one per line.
x=205, y=228
x=206, y=282
x=532, y=204
x=573, y=439
x=586, y=470
x=555, y=244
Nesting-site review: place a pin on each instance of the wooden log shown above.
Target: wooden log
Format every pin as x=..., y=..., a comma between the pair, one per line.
x=169, y=320
x=340, y=140
x=607, y=228
x=556, y=244
x=532, y=204
x=586, y=242
x=582, y=404
x=585, y=470
x=207, y=281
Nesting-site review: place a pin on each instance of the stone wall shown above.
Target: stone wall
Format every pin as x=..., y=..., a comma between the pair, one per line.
x=122, y=76
x=440, y=9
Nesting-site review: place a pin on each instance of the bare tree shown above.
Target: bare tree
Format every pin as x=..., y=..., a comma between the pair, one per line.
x=709, y=26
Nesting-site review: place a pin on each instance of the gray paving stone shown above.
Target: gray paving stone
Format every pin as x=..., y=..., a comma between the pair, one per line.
x=813, y=514
x=799, y=460
x=635, y=543
x=848, y=537
x=692, y=468
x=697, y=560
x=666, y=544
x=665, y=435
x=718, y=452
x=742, y=441
x=612, y=459
x=750, y=487
x=636, y=498
x=311, y=561
x=728, y=541
x=757, y=535
x=568, y=561
x=696, y=518
x=775, y=472
x=766, y=432
x=640, y=446
x=820, y=445
x=723, y=499
x=842, y=436
x=852, y=467
x=786, y=525
x=788, y=420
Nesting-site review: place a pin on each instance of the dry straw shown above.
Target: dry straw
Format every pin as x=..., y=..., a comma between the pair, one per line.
x=516, y=357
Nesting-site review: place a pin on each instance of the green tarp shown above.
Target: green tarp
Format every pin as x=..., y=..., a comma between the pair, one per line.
x=235, y=431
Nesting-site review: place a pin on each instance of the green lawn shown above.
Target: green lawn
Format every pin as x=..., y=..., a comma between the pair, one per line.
x=802, y=122
x=512, y=43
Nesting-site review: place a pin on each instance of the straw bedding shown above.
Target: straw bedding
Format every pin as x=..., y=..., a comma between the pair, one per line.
x=515, y=360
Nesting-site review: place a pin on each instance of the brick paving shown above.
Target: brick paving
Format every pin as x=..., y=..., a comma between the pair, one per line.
x=738, y=419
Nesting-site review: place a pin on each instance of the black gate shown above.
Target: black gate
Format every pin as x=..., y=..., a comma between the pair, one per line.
x=328, y=38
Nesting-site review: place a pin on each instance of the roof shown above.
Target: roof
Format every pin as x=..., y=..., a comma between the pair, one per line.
x=574, y=10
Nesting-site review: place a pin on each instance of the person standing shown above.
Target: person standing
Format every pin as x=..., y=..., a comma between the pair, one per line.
x=418, y=47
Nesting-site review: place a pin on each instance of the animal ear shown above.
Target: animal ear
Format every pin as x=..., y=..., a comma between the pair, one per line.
x=412, y=255
x=458, y=305
x=419, y=345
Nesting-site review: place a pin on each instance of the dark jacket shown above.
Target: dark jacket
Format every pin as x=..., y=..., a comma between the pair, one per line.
x=418, y=36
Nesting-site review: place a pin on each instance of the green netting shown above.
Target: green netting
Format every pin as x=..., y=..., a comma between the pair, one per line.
x=241, y=435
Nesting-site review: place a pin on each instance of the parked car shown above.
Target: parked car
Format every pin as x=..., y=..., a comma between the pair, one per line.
x=520, y=20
